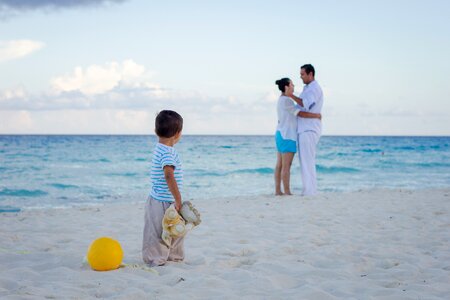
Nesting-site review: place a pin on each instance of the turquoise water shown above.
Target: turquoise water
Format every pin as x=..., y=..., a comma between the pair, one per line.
x=59, y=171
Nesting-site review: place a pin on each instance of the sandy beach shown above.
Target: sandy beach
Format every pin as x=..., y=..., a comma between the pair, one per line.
x=378, y=244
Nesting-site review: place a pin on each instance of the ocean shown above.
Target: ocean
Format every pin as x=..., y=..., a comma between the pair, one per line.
x=40, y=171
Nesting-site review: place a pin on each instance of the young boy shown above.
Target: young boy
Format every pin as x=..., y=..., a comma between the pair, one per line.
x=167, y=179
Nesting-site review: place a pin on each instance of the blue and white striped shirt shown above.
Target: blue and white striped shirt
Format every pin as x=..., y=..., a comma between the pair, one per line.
x=164, y=156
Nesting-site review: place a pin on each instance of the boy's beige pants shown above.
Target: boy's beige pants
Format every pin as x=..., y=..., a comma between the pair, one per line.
x=154, y=251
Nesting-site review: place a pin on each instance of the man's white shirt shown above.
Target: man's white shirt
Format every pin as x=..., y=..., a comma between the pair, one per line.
x=312, y=97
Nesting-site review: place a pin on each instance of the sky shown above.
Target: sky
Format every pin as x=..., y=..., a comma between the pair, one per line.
x=108, y=67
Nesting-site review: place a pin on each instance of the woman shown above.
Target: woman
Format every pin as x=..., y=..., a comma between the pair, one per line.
x=286, y=134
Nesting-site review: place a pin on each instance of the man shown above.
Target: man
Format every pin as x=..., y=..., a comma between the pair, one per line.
x=309, y=130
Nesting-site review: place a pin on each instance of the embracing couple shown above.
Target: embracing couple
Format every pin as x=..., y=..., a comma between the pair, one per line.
x=299, y=129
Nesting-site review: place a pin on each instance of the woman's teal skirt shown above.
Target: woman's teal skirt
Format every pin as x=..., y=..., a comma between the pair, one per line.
x=283, y=145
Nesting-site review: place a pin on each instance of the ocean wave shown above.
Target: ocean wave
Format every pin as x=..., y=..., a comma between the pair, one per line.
x=22, y=193
x=397, y=164
x=323, y=169
x=9, y=209
x=371, y=150
x=435, y=147
x=104, y=160
x=63, y=186
x=127, y=174
x=334, y=154
x=252, y=171
x=408, y=148
x=433, y=165
x=199, y=172
x=78, y=160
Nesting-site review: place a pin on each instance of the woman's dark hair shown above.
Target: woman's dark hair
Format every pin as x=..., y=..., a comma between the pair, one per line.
x=168, y=123
x=308, y=69
x=282, y=83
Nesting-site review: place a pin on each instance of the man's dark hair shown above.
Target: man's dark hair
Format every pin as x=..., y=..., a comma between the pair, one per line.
x=168, y=123
x=308, y=69
x=282, y=83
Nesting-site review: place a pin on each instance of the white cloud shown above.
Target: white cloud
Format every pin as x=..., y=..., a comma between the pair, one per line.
x=15, y=49
x=13, y=93
x=114, y=85
x=121, y=98
x=97, y=79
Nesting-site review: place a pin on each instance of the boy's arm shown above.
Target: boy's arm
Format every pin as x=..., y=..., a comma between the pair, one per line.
x=173, y=186
x=308, y=115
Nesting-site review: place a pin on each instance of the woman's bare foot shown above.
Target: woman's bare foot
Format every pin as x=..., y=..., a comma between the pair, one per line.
x=288, y=194
x=279, y=194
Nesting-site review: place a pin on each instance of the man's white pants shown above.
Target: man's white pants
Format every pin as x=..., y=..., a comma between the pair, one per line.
x=307, y=143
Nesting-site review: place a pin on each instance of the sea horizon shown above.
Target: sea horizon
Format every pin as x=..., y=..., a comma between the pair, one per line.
x=58, y=170
x=195, y=134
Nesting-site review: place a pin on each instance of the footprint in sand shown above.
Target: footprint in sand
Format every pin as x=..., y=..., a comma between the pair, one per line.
x=64, y=241
x=242, y=252
x=240, y=262
x=388, y=264
x=391, y=285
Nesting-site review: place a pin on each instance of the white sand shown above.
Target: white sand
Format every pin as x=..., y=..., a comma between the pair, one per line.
x=362, y=245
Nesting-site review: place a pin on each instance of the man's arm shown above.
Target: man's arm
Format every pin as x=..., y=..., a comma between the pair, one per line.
x=297, y=99
x=308, y=115
x=295, y=110
x=173, y=186
x=307, y=101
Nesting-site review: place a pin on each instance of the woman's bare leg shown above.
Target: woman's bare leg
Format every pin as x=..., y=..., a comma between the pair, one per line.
x=286, y=162
x=278, y=175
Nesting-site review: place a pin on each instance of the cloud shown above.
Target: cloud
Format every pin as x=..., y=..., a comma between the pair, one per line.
x=97, y=79
x=19, y=5
x=122, y=97
x=80, y=103
x=120, y=85
x=12, y=8
x=15, y=49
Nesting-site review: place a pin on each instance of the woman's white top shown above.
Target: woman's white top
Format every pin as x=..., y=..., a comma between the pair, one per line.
x=287, y=118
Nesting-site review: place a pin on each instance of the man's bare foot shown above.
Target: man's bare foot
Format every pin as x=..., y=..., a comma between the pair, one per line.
x=279, y=194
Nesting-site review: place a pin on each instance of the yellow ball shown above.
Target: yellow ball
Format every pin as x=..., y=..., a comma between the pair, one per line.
x=105, y=254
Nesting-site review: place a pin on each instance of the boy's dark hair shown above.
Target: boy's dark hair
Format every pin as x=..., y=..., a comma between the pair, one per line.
x=282, y=83
x=168, y=123
x=308, y=69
